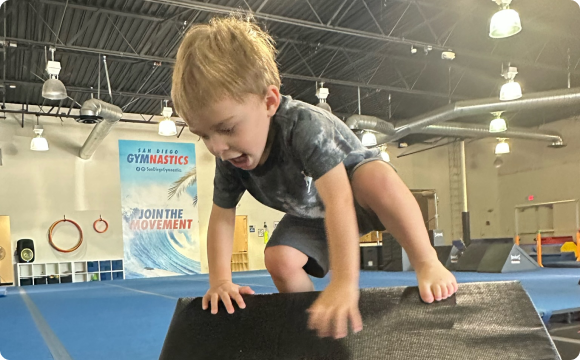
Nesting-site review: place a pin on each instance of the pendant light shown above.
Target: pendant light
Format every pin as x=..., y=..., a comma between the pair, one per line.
x=502, y=147
x=511, y=90
x=498, y=124
x=53, y=88
x=38, y=142
x=506, y=22
x=167, y=126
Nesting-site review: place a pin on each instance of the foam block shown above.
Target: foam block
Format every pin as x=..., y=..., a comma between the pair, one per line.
x=483, y=321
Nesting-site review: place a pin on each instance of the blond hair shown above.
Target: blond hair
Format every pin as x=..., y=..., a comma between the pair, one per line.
x=229, y=57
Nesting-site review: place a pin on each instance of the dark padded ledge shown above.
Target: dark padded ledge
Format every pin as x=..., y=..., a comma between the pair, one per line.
x=493, y=320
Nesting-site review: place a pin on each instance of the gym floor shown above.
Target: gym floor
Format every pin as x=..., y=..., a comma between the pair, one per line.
x=128, y=319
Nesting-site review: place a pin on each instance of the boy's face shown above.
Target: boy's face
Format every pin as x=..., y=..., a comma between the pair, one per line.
x=237, y=131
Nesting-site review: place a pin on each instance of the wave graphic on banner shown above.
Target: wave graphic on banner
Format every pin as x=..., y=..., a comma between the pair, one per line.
x=154, y=253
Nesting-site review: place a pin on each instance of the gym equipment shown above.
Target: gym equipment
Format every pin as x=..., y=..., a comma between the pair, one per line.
x=494, y=320
x=51, y=229
x=394, y=257
x=25, y=250
x=100, y=219
x=495, y=256
x=552, y=240
x=370, y=257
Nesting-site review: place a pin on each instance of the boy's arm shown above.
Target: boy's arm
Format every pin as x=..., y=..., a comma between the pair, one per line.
x=220, y=236
x=338, y=304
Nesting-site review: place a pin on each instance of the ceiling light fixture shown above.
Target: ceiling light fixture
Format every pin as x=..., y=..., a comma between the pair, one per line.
x=506, y=22
x=167, y=126
x=502, y=147
x=511, y=90
x=53, y=88
x=38, y=143
x=369, y=139
x=322, y=95
x=498, y=124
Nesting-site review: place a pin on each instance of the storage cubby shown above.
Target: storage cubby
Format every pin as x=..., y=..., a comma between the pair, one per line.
x=117, y=265
x=92, y=266
x=80, y=267
x=65, y=268
x=52, y=269
x=240, y=261
x=67, y=272
x=79, y=277
x=105, y=265
x=38, y=269
x=25, y=270
x=105, y=276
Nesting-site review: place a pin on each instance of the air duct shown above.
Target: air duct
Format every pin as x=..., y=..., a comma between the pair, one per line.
x=106, y=115
x=476, y=131
x=482, y=106
x=365, y=122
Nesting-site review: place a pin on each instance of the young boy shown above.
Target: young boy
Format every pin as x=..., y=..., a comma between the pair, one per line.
x=298, y=159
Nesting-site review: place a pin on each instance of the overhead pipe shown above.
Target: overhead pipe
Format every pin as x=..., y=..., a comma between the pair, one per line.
x=482, y=106
x=107, y=115
x=365, y=122
x=475, y=131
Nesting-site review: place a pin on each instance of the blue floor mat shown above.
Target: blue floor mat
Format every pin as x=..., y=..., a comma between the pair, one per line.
x=129, y=319
x=19, y=337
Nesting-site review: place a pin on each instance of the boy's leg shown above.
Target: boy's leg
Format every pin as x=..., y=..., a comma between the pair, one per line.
x=286, y=266
x=376, y=187
x=296, y=249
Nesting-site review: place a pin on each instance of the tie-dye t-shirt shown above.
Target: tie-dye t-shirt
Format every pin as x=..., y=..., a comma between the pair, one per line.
x=308, y=142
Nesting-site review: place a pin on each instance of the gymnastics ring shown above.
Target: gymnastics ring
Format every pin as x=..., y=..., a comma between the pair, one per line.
x=100, y=219
x=65, y=250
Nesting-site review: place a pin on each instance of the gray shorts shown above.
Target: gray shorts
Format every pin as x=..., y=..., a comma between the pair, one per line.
x=309, y=235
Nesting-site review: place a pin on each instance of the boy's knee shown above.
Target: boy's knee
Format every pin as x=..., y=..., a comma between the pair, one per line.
x=283, y=261
x=370, y=181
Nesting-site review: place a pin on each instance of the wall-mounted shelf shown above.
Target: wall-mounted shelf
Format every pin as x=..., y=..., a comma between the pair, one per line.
x=240, y=261
x=69, y=271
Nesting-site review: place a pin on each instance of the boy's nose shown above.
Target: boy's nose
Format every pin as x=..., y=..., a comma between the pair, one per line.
x=218, y=146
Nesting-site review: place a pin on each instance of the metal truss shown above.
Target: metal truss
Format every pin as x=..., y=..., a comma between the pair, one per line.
x=343, y=9
x=170, y=61
x=85, y=90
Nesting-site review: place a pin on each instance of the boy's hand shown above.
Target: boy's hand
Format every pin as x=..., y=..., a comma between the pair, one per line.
x=226, y=291
x=334, y=308
x=435, y=281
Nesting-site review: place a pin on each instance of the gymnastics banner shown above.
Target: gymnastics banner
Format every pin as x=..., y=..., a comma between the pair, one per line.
x=159, y=205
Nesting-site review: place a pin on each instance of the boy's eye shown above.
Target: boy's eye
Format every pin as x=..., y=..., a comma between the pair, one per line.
x=227, y=131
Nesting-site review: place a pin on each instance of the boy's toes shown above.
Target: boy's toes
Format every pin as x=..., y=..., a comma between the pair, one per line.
x=436, y=289
x=444, y=291
x=426, y=295
x=450, y=289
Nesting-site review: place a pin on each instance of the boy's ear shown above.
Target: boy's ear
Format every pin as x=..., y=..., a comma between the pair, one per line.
x=272, y=99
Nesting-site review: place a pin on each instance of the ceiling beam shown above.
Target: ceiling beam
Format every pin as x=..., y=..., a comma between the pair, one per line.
x=102, y=10
x=171, y=61
x=80, y=89
x=371, y=86
x=220, y=9
x=94, y=51
x=207, y=7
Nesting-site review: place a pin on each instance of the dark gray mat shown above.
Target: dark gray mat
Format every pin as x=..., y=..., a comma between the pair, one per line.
x=484, y=321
